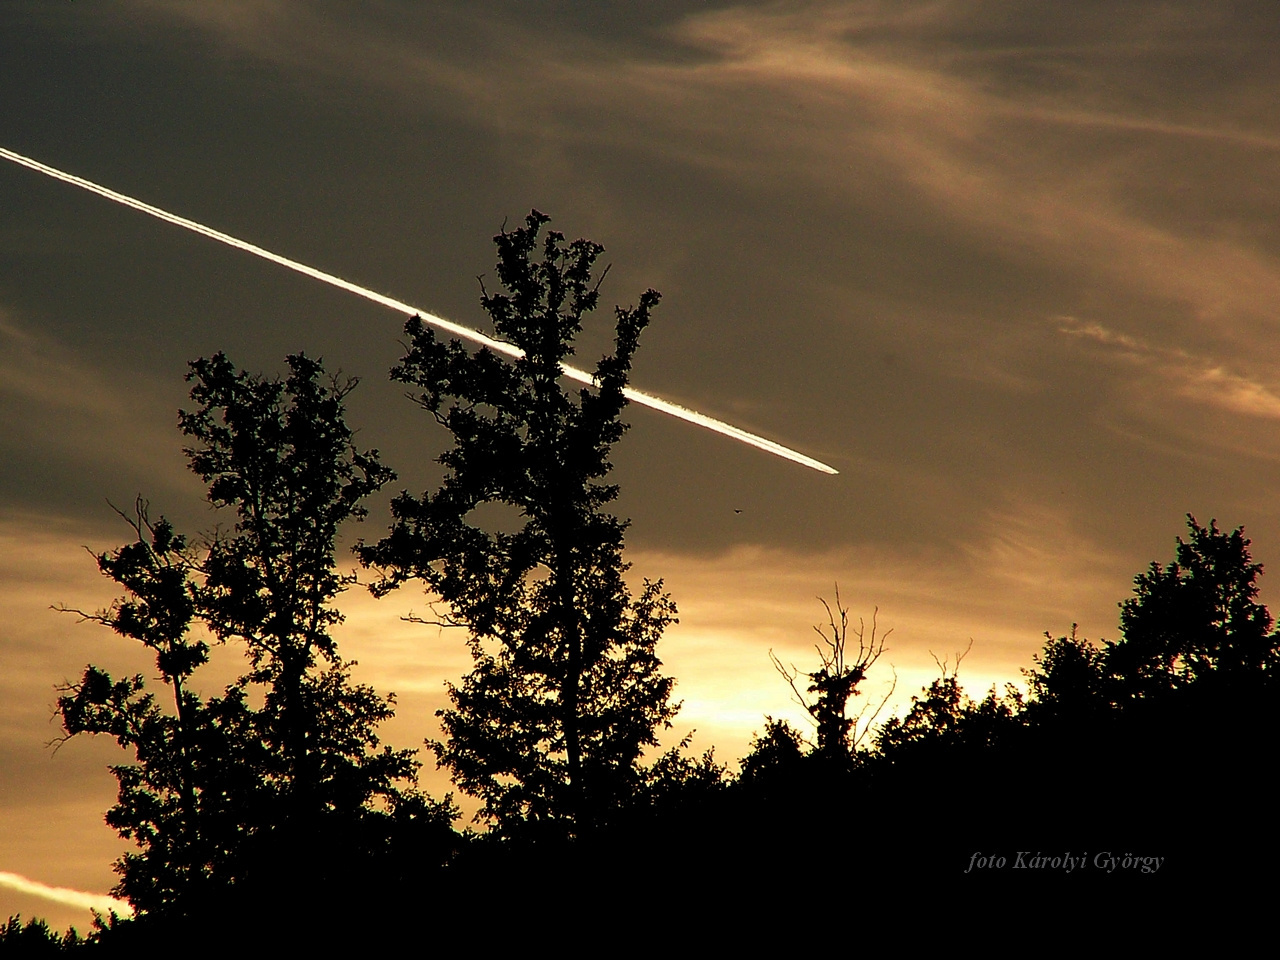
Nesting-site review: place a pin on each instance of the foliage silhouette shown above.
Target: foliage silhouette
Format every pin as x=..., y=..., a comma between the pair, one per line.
x=1197, y=617
x=945, y=717
x=1151, y=742
x=1195, y=623
x=291, y=474
x=224, y=795
x=1069, y=682
x=1151, y=747
x=35, y=939
x=775, y=756
x=549, y=727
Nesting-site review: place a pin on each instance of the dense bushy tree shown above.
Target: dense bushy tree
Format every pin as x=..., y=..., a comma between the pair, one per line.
x=946, y=717
x=549, y=727
x=221, y=791
x=1069, y=681
x=1193, y=622
x=1195, y=617
x=777, y=752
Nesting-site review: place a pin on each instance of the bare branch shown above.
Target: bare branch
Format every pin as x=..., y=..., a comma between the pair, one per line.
x=443, y=619
x=942, y=664
x=866, y=727
x=791, y=676
x=413, y=618
x=100, y=616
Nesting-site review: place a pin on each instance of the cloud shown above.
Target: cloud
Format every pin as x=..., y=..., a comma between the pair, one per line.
x=1177, y=371
x=1022, y=165
x=97, y=902
x=1034, y=134
x=67, y=420
x=35, y=370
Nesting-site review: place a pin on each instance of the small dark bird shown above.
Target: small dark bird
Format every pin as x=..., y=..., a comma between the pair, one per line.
x=736, y=510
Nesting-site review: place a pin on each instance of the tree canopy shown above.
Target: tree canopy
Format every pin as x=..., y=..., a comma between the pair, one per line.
x=223, y=793
x=1196, y=617
x=549, y=727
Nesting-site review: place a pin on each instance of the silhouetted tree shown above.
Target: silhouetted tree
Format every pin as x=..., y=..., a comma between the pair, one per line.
x=35, y=939
x=549, y=727
x=773, y=755
x=220, y=791
x=836, y=681
x=946, y=717
x=166, y=801
x=1196, y=617
x=675, y=779
x=292, y=476
x=1070, y=681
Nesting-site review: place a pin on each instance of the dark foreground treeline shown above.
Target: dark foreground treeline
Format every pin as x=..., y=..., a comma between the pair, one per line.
x=270, y=812
x=1140, y=791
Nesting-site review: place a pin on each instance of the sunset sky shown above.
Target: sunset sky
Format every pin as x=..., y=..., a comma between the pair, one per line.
x=1011, y=267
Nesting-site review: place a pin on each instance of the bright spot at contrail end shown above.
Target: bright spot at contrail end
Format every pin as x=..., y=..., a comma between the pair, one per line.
x=457, y=330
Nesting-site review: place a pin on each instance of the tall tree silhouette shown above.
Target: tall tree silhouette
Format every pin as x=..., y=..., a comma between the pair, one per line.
x=292, y=476
x=220, y=791
x=549, y=726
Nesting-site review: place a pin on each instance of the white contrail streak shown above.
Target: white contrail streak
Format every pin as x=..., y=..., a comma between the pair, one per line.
x=457, y=330
x=99, y=902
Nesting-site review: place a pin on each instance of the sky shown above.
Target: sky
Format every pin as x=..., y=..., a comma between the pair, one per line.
x=1010, y=267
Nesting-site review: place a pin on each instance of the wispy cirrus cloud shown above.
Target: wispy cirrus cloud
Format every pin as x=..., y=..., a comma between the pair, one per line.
x=66, y=419
x=1178, y=371
x=1041, y=133
x=35, y=370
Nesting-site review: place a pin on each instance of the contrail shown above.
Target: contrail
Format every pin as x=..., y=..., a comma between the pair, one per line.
x=457, y=330
x=98, y=902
